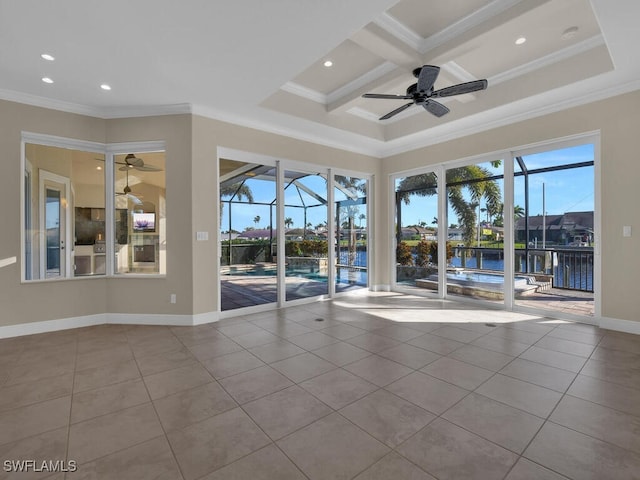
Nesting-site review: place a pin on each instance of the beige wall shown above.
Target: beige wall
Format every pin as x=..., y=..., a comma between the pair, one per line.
x=151, y=295
x=617, y=119
x=22, y=303
x=192, y=204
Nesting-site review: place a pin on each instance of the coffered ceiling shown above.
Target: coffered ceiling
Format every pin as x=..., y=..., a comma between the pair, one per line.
x=261, y=64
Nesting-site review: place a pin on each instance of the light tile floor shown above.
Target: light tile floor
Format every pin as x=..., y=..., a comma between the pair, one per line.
x=377, y=386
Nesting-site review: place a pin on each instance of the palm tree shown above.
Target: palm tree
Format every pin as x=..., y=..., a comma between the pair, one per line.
x=288, y=222
x=361, y=217
x=256, y=220
x=239, y=191
x=458, y=180
x=518, y=211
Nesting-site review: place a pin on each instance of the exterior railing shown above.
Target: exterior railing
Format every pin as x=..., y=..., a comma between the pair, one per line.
x=567, y=268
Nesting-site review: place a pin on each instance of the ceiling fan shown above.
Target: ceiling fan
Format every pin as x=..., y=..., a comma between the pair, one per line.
x=131, y=161
x=422, y=92
x=127, y=191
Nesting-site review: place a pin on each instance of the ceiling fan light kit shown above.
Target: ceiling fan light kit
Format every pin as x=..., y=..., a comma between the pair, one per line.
x=423, y=93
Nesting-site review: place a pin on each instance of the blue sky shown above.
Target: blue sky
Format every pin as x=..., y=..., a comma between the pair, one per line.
x=565, y=191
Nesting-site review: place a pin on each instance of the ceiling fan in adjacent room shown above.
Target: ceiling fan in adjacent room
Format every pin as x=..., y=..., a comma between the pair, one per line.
x=131, y=161
x=423, y=93
x=127, y=191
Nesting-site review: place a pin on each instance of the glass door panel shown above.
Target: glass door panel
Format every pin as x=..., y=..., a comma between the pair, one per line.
x=54, y=222
x=554, y=230
x=306, y=246
x=417, y=223
x=475, y=247
x=350, y=206
x=248, y=263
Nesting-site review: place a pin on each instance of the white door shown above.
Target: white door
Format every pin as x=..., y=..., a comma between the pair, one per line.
x=55, y=258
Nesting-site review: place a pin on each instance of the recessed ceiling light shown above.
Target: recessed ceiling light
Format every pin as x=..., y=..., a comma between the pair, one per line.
x=47, y=80
x=569, y=33
x=98, y=167
x=328, y=63
x=104, y=86
x=520, y=40
x=48, y=57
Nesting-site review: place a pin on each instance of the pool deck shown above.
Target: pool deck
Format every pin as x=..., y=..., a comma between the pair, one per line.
x=567, y=301
x=245, y=291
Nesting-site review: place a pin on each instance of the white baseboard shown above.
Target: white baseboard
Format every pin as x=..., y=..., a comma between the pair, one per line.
x=45, y=326
x=207, y=317
x=32, y=328
x=627, y=326
x=150, y=319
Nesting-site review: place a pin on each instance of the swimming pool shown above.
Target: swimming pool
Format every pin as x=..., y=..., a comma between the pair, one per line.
x=480, y=284
x=483, y=278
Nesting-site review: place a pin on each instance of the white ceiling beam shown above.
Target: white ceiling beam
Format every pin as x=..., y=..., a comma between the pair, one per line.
x=400, y=59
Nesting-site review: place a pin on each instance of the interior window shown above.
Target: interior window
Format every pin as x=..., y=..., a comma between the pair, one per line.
x=64, y=218
x=140, y=213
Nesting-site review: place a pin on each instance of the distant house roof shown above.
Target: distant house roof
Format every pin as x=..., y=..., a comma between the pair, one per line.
x=261, y=233
x=568, y=221
x=295, y=232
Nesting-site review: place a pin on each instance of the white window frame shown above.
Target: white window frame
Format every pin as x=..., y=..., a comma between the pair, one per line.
x=106, y=149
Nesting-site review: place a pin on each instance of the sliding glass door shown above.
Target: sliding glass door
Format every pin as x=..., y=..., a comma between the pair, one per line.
x=475, y=233
x=554, y=229
x=540, y=203
x=306, y=241
x=288, y=234
x=350, y=207
x=248, y=233
x=416, y=232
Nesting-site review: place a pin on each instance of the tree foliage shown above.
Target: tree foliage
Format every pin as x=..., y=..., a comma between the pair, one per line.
x=465, y=189
x=403, y=254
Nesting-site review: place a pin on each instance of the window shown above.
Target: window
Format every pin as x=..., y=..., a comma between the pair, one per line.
x=139, y=213
x=67, y=221
x=64, y=212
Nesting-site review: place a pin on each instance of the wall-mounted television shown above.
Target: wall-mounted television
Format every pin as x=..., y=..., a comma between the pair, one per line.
x=144, y=222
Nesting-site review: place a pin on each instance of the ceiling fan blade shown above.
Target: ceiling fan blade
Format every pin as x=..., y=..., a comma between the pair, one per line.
x=388, y=97
x=134, y=199
x=435, y=108
x=396, y=111
x=427, y=77
x=461, y=88
x=148, y=168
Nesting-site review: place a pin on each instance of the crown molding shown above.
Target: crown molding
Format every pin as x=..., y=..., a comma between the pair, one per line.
x=144, y=111
x=104, y=113
x=49, y=103
x=522, y=110
x=299, y=129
